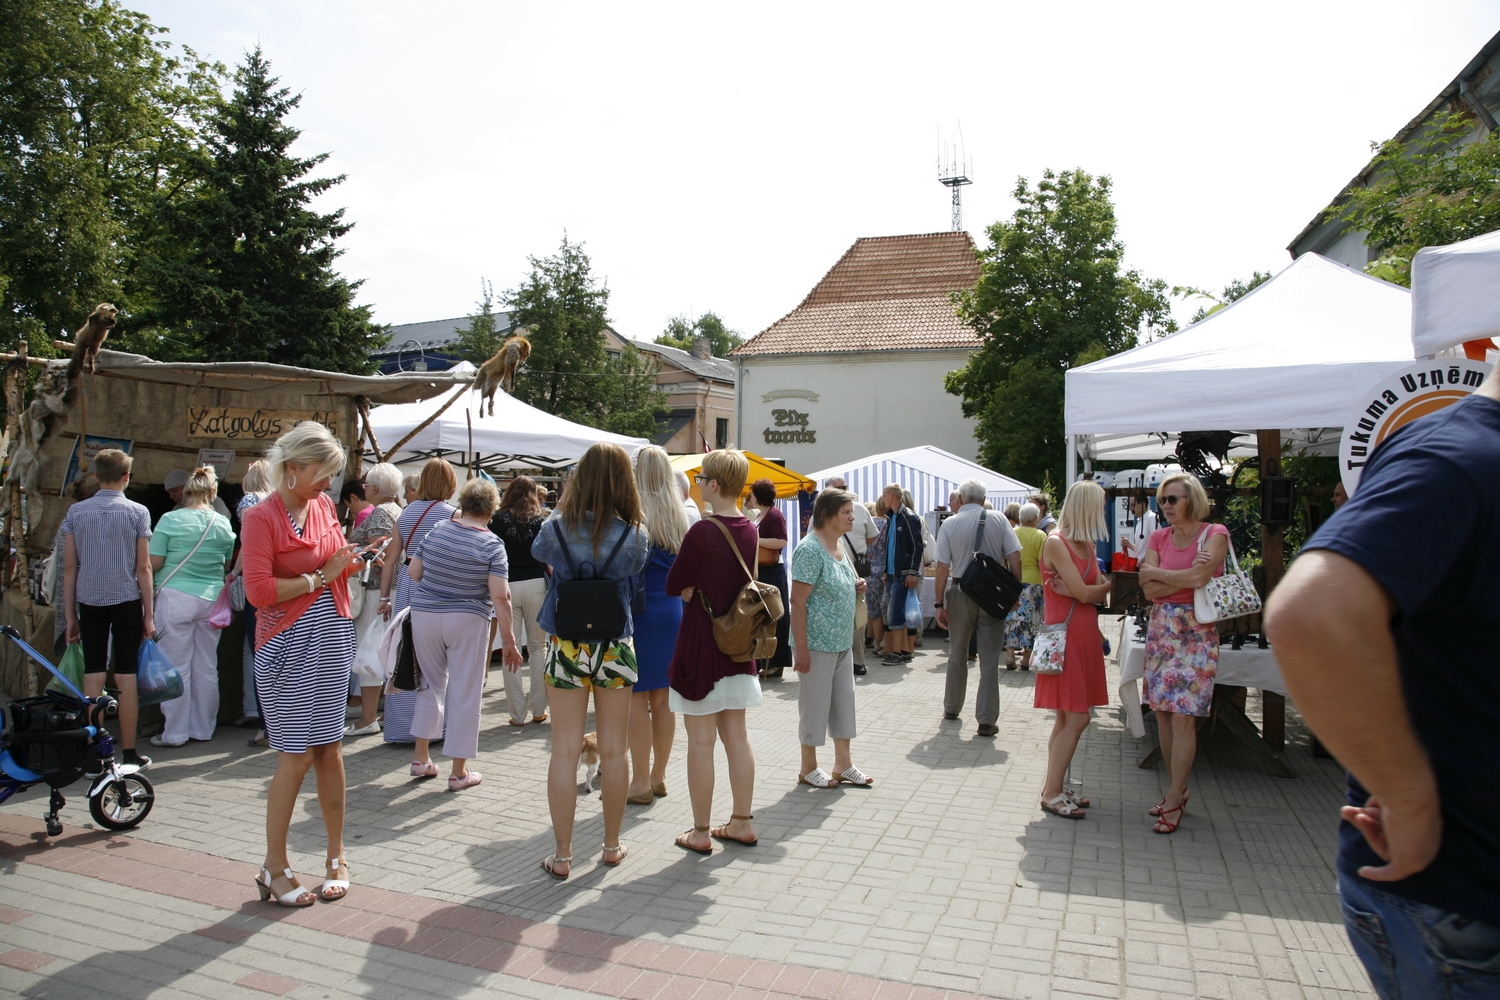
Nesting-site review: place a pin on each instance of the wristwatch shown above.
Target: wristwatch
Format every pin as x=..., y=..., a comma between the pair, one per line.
x=937, y=605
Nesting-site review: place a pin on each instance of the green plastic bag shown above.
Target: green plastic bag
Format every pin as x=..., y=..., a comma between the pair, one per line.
x=71, y=667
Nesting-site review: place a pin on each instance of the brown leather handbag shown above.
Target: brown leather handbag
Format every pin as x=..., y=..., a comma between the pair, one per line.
x=747, y=631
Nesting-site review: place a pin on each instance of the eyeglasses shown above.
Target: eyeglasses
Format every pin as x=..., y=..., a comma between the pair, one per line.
x=700, y=479
x=1171, y=500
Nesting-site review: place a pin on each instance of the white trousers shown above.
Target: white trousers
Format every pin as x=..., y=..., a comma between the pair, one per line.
x=192, y=645
x=525, y=604
x=453, y=650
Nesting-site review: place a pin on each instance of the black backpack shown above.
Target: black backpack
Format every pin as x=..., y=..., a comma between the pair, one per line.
x=987, y=580
x=589, y=607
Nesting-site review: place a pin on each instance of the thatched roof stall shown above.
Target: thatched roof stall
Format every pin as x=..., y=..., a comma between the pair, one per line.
x=168, y=412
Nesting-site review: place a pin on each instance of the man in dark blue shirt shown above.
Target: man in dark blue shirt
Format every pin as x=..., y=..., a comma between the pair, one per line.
x=1387, y=629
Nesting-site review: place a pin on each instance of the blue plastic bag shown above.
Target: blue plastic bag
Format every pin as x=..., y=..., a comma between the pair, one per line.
x=156, y=680
x=913, y=611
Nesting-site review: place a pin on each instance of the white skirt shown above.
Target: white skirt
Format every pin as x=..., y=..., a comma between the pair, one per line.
x=738, y=691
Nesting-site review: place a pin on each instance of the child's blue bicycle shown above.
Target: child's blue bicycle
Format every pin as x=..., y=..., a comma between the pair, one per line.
x=57, y=738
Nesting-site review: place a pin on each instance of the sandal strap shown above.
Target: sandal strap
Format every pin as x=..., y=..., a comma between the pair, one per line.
x=738, y=816
x=699, y=828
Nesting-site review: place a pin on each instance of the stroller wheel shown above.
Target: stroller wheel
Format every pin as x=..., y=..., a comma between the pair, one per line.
x=123, y=804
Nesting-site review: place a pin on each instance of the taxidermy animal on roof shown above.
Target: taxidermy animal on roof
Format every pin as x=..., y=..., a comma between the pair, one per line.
x=499, y=372
x=89, y=338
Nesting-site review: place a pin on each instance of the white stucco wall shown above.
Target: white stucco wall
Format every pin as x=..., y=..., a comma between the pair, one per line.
x=866, y=403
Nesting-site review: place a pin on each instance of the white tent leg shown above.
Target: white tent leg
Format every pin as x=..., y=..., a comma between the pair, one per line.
x=1071, y=468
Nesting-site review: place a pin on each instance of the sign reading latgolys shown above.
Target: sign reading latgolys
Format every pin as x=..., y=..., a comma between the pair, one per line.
x=1394, y=402
x=232, y=423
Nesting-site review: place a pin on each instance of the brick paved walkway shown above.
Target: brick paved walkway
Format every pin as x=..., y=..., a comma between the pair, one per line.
x=944, y=879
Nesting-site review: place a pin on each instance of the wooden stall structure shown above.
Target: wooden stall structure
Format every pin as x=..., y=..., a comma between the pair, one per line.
x=167, y=413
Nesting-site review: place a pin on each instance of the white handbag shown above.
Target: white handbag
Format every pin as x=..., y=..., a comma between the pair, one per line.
x=1229, y=596
x=1050, y=645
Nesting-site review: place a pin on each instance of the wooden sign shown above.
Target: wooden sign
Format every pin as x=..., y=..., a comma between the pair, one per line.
x=240, y=424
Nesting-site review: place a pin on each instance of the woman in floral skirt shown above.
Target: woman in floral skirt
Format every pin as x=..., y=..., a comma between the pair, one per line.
x=1026, y=617
x=1182, y=655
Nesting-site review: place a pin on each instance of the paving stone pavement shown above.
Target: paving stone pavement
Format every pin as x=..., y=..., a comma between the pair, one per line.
x=943, y=879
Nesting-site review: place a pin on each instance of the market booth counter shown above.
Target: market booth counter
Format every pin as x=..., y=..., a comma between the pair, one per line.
x=166, y=416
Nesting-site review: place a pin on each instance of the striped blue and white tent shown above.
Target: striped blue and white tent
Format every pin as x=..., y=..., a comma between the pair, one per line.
x=928, y=472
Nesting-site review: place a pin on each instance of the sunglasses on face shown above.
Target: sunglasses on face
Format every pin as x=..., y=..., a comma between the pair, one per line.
x=1170, y=500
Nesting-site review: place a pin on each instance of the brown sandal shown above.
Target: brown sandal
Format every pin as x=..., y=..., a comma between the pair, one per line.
x=722, y=832
x=682, y=841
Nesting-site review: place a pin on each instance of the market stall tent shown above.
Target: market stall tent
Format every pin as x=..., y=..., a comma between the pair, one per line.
x=1296, y=352
x=1455, y=296
x=515, y=436
x=788, y=483
x=928, y=472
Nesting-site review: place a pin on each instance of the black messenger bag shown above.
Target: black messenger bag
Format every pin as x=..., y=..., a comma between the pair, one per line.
x=987, y=581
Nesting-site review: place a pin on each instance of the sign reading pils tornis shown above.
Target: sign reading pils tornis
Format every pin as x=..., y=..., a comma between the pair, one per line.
x=1394, y=402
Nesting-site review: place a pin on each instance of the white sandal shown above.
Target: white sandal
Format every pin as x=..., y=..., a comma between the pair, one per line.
x=334, y=864
x=293, y=897
x=854, y=776
x=818, y=778
x=1060, y=805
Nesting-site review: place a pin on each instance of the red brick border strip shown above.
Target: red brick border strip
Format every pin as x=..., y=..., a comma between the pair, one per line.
x=602, y=964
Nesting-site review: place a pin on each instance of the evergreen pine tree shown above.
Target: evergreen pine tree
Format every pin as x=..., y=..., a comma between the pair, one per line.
x=243, y=269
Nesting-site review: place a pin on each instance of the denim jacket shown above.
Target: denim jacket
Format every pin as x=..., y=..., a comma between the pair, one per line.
x=588, y=563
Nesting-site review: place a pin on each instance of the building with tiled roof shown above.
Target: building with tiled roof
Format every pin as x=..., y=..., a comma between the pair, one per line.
x=858, y=367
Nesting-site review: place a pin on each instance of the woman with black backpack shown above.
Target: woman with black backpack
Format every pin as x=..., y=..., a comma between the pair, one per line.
x=594, y=546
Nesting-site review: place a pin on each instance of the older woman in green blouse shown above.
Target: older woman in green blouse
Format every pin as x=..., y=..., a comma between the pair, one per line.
x=824, y=589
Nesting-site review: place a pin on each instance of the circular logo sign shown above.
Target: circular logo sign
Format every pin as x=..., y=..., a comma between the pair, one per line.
x=1410, y=394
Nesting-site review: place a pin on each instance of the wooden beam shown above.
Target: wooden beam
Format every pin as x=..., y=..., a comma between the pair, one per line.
x=146, y=444
x=1272, y=544
x=420, y=427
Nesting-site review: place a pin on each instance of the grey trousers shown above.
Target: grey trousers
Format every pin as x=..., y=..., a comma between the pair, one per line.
x=964, y=619
x=825, y=699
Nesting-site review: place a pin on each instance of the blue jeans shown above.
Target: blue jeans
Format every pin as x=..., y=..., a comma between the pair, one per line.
x=895, y=598
x=1414, y=951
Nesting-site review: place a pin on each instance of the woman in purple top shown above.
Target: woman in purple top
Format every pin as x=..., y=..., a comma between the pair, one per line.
x=710, y=690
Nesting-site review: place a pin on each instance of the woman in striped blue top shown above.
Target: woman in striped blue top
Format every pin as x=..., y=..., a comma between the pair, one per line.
x=459, y=571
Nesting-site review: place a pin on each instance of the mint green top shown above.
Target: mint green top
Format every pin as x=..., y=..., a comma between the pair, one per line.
x=830, y=606
x=176, y=534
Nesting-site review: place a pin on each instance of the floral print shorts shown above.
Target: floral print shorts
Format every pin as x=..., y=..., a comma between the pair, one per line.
x=584, y=665
x=1025, y=618
x=1182, y=657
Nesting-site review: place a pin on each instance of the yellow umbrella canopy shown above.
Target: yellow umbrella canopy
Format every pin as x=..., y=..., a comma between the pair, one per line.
x=788, y=483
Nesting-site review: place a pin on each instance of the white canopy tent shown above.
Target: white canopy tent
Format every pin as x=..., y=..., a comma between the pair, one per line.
x=1297, y=352
x=516, y=436
x=929, y=472
x=1455, y=295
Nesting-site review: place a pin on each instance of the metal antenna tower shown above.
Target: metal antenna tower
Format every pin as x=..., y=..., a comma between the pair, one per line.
x=954, y=175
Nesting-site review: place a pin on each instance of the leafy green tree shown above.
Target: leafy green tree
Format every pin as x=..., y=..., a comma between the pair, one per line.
x=1236, y=289
x=242, y=269
x=681, y=333
x=1052, y=293
x=479, y=341
x=97, y=117
x=570, y=372
x=1439, y=187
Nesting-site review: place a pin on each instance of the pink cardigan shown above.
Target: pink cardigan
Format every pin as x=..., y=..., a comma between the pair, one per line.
x=272, y=549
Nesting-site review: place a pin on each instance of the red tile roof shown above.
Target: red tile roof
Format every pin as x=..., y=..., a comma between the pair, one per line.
x=887, y=293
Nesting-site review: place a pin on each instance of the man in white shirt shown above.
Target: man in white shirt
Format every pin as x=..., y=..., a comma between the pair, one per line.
x=860, y=538
x=961, y=615
x=694, y=515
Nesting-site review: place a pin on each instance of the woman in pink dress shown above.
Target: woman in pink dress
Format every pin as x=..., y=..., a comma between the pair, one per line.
x=1071, y=586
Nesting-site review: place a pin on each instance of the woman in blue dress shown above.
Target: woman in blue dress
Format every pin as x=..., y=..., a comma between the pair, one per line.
x=651, y=723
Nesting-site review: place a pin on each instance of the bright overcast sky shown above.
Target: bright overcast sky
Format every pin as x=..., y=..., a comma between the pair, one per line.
x=722, y=157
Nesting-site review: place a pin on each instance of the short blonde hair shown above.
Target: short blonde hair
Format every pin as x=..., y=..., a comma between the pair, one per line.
x=309, y=443
x=478, y=498
x=202, y=484
x=438, y=480
x=1198, y=505
x=1082, y=516
x=1013, y=511
x=729, y=468
x=257, y=478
